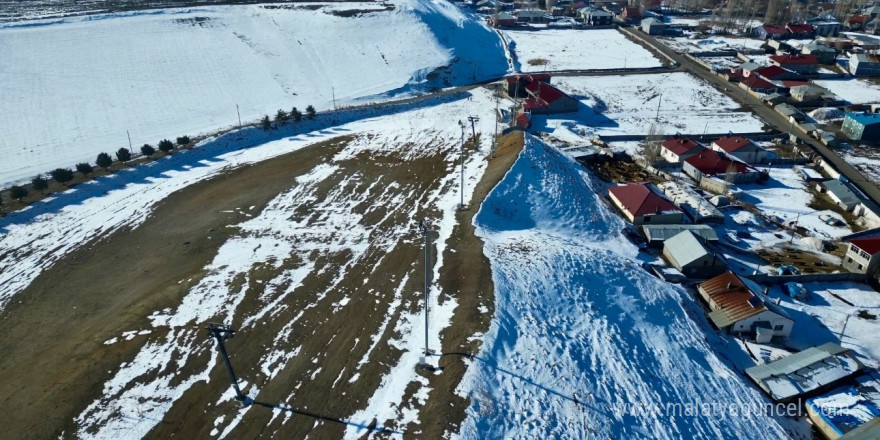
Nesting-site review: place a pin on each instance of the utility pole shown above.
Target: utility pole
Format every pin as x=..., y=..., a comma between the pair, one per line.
x=495, y=133
x=424, y=228
x=474, y=119
x=333, y=90
x=130, y=150
x=657, y=116
x=461, y=206
x=222, y=332
x=239, y=115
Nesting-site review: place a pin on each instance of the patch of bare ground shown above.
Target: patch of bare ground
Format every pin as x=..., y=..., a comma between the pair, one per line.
x=617, y=170
x=53, y=334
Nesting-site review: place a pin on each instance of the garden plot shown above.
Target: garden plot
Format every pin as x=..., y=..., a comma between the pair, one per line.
x=611, y=106
x=713, y=44
x=856, y=91
x=785, y=199
x=865, y=160
x=77, y=86
x=564, y=49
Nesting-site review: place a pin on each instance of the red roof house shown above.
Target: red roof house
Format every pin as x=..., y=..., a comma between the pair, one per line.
x=524, y=121
x=777, y=73
x=760, y=84
x=801, y=30
x=546, y=99
x=642, y=205
x=678, y=149
x=740, y=148
x=862, y=255
x=710, y=163
x=801, y=63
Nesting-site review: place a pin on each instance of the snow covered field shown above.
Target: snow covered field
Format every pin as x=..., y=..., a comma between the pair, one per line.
x=856, y=91
x=580, y=329
x=821, y=318
x=72, y=87
x=564, y=49
x=615, y=107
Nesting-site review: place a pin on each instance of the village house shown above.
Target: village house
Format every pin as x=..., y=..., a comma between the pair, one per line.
x=530, y=16
x=698, y=209
x=737, y=308
x=503, y=19
x=640, y=204
x=770, y=31
x=791, y=112
x=656, y=235
x=862, y=126
x=805, y=373
x=862, y=64
x=516, y=84
x=825, y=26
x=759, y=84
x=653, y=26
x=839, y=193
x=686, y=252
x=594, y=16
x=675, y=150
x=711, y=164
x=824, y=54
x=859, y=419
x=776, y=73
x=812, y=92
x=862, y=255
x=545, y=99
x=631, y=14
x=801, y=31
x=856, y=22
x=740, y=148
x=801, y=63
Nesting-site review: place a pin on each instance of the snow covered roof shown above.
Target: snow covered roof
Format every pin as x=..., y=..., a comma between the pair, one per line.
x=694, y=205
x=804, y=371
x=841, y=192
x=665, y=232
x=685, y=248
x=845, y=409
x=638, y=199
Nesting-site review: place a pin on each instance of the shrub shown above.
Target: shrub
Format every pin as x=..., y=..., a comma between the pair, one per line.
x=123, y=155
x=165, y=145
x=296, y=115
x=39, y=183
x=148, y=150
x=281, y=117
x=104, y=160
x=17, y=192
x=62, y=175
x=85, y=168
x=183, y=141
x=310, y=112
x=265, y=123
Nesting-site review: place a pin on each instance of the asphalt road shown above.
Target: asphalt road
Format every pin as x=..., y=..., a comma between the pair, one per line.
x=770, y=116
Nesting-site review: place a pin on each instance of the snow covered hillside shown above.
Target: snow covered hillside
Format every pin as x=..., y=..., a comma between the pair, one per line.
x=580, y=330
x=72, y=87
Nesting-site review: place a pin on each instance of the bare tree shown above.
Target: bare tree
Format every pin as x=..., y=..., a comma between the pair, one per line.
x=651, y=146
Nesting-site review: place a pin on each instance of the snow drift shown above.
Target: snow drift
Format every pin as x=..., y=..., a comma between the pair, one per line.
x=74, y=87
x=584, y=343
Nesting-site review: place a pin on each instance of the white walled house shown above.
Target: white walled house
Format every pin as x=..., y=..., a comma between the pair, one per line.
x=640, y=204
x=740, y=148
x=862, y=255
x=738, y=308
x=676, y=150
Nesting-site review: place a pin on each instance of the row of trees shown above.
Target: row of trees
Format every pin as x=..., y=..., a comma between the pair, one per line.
x=104, y=160
x=282, y=117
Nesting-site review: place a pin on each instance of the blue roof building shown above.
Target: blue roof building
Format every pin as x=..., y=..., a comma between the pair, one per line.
x=862, y=126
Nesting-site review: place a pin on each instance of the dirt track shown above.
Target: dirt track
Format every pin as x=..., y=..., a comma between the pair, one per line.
x=57, y=327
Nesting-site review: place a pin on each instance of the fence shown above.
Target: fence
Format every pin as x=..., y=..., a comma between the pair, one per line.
x=808, y=278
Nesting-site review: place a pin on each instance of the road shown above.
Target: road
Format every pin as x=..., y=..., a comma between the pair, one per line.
x=770, y=116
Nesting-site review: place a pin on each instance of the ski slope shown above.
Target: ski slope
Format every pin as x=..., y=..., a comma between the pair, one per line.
x=586, y=344
x=77, y=86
